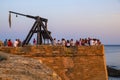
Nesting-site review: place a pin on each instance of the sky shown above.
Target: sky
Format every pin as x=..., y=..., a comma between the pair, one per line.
x=66, y=19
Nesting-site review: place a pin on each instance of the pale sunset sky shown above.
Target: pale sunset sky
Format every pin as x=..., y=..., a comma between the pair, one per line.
x=66, y=19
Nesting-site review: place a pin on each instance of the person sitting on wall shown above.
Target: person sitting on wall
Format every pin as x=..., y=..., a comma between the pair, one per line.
x=34, y=41
x=16, y=43
x=54, y=42
x=19, y=43
x=10, y=43
x=72, y=43
x=58, y=42
x=86, y=42
x=68, y=44
x=92, y=42
x=98, y=42
x=63, y=42
x=77, y=43
x=5, y=42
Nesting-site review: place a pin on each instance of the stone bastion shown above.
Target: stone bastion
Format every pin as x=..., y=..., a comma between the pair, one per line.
x=75, y=63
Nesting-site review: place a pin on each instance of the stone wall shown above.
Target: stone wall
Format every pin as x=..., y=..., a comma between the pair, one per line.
x=77, y=63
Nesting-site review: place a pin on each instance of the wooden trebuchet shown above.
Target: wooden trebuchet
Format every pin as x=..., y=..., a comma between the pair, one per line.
x=39, y=27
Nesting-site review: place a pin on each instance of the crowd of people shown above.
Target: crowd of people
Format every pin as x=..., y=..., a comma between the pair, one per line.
x=62, y=42
x=80, y=42
x=9, y=43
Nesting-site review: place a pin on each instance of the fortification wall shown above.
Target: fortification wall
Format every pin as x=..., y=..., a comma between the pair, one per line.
x=78, y=63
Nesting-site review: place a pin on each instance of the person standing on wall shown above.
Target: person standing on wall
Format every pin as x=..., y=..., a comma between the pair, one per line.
x=34, y=41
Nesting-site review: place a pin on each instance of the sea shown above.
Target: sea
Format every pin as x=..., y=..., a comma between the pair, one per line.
x=112, y=54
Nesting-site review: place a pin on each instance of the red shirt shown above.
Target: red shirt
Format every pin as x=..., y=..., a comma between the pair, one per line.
x=9, y=43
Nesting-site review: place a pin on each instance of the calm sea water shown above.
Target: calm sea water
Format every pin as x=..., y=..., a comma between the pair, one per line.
x=112, y=53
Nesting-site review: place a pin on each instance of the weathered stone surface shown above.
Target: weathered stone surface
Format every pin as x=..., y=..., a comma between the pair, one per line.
x=22, y=68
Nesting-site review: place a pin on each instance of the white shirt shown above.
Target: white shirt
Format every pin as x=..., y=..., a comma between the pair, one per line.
x=15, y=43
x=91, y=42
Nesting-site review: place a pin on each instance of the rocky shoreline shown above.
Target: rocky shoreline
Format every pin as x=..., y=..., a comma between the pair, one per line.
x=112, y=72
